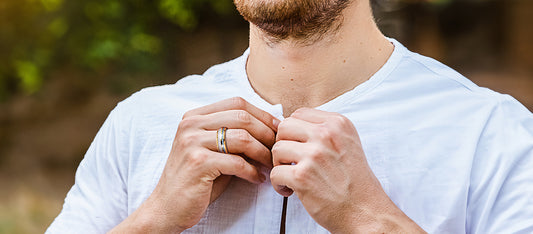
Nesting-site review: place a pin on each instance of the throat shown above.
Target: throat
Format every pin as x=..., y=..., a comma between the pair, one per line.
x=291, y=103
x=290, y=106
x=307, y=81
x=292, y=98
x=299, y=75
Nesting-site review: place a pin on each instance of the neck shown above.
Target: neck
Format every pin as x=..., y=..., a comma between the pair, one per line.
x=308, y=75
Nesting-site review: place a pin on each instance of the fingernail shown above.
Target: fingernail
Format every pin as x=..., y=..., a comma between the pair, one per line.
x=276, y=122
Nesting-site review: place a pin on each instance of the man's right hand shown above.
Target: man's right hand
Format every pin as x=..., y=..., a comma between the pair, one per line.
x=196, y=173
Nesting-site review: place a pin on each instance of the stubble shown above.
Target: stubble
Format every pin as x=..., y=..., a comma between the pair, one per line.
x=301, y=20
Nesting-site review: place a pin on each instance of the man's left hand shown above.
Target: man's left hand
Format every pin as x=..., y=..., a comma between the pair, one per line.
x=319, y=156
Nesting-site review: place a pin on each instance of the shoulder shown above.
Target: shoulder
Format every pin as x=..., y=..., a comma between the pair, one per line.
x=433, y=74
x=421, y=77
x=169, y=102
x=427, y=92
x=161, y=98
x=502, y=124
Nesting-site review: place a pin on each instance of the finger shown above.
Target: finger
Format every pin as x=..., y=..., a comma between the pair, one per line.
x=313, y=115
x=229, y=164
x=281, y=179
x=287, y=152
x=239, y=119
x=294, y=129
x=333, y=121
x=236, y=103
x=239, y=141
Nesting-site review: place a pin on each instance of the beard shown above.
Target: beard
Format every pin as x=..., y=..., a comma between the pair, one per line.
x=302, y=20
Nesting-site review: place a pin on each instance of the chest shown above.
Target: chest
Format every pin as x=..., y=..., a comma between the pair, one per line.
x=423, y=170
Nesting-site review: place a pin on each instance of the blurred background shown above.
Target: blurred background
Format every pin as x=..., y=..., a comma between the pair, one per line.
x=65, y=64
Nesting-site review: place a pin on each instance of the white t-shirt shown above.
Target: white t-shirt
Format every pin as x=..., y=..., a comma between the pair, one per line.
x=454, y=157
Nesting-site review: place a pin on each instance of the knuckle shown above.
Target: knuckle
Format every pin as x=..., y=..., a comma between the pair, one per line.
x=275, y=175
x=317, y=154
x=238, y=103
x=198, y=158
x=340, y=119
x=262, y=154
x=267, y=117
x=243, y=117
x=188, y=122
x=314, y=152
x=300, y=176
x=298, y=112
x=185, y=137
x=283, y=129
x=186, y=140
x=240, y=164
x=276, y=149
x=187, y=114
x=283, y=124
x=324, y=133
x=243, y=137
x=271, y=135
x=269, y=139
x=339, y=123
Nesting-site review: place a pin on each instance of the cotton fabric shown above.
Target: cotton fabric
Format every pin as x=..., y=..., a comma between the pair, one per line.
x=454, y=157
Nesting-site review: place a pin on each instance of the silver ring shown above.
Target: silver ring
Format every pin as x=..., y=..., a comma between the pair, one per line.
x=221, y=140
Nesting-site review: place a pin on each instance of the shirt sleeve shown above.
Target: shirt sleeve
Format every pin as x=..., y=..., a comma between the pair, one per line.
x=98, y=200
x=500, y=198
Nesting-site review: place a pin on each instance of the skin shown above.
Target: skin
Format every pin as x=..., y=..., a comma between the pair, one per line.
x=318, y=156
x=329, y=172
x=315, y=74
x=196, y=174
x=305, y=20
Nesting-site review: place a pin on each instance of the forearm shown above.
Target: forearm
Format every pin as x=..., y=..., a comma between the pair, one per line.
x=388, y=223
x=147, y=219
x=384, y=218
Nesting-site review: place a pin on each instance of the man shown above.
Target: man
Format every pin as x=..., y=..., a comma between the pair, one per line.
x=359, y=133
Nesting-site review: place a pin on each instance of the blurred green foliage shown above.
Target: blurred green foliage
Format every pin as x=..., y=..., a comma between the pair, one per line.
x=40, y=36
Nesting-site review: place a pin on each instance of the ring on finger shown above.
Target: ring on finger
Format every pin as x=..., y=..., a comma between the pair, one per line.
x=221, y=140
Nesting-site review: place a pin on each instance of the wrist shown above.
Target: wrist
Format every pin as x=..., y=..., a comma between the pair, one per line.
x=153, y=217
x=148, y=218
x=384, y=217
